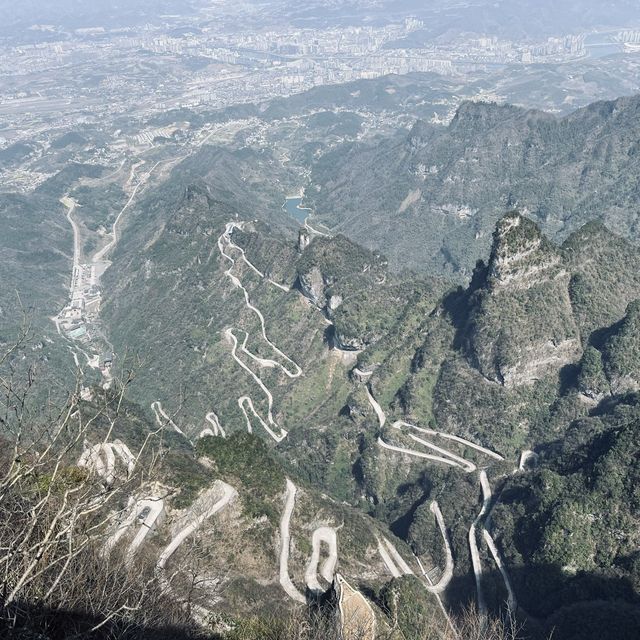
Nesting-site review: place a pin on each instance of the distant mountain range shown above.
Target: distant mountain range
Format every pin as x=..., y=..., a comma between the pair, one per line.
x=430, y=199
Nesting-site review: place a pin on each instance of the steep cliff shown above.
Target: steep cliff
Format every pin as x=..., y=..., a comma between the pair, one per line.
x=521, y=325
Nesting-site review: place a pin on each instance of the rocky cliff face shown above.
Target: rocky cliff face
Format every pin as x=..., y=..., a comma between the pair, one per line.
x=312, y=284
x=521, y=327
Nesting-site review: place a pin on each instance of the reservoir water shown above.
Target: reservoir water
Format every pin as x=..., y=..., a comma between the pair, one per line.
x=293, y=208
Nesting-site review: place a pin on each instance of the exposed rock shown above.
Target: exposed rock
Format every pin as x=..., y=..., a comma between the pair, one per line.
x=312, y=285
x=521, y=327
x=334, y=303
x=348, y=344
x=521, y=257
x=304, y=238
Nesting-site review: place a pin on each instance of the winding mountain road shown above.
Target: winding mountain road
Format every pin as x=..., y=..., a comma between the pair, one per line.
x=226, y=238
x=447, y=457
x=214, y=421
x=285, y=542
x=228, y=494
x=290, y=369
x=101, y=458
x=71, y=205
x=473, y=543
x=512, y=602
x=163, y=419
x=327, y=536
x=447, y=574
x=452, y=459
x=155, y=507
x=100, y=255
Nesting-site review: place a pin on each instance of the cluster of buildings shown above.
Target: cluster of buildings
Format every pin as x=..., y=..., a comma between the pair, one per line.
x=84, y=304
x=495, y=51
x=96, y=74
x=569, y=46
x=78, y=316
x=630, y=40
x=630, y=37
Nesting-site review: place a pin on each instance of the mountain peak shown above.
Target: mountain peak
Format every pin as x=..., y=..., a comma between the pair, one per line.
x=483, y=115
x=521, y=256
x=521, y=325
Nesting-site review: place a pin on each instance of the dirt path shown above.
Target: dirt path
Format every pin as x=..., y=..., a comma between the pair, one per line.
x=357, y=618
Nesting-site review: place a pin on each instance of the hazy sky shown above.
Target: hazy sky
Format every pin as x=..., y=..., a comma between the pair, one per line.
x=519, y=18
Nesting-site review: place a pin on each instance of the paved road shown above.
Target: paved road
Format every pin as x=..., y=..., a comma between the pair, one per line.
x=447, y=457
x=387, y=559
x=270, y=425
x=382, y=419
x=163, y=419
x=101, y=458
x=99, y=256
x=328, y=537
x=155, y=511
x=285, y=541
x=214, y=421
x=71, y=205
x=495, y=552
x=447, y=574
x=228, y=494
x=225, y=240
x=480, y=520
x=394, y=562
x=312, y=230
x=417, y=454
x=245, y=401
x=291, y=369
x=525, y=456
x=473, y=544
x=512, y=602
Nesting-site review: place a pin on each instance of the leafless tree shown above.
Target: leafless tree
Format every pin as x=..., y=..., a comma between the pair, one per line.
x=55, y=515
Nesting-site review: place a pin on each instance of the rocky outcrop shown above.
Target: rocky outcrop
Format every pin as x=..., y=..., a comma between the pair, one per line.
x=312, y=285
x=521, y=327
x=304, y=238
x=345, y=343
x=521, y=257
x=334, y=302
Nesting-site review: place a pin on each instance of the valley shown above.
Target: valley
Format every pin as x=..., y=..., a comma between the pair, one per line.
x=354, y=359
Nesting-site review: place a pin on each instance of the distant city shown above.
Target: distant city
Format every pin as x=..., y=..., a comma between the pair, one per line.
x=119, y=67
